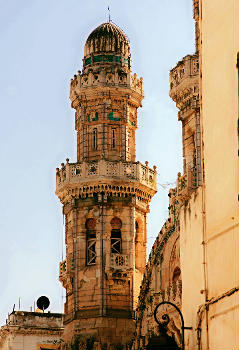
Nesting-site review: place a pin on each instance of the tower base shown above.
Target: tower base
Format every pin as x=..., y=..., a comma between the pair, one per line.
x=99, y=333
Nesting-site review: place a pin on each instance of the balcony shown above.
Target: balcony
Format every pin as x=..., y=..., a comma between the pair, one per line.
x=66, y=269
x=100, y=171
x=186, y=183
x=184, y=81
x=187, y=68
x=101, y=79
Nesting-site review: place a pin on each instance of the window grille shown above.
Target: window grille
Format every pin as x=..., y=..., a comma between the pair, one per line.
x=91, y=249
x=90, y=241
x=113, y=140
x=116, y=241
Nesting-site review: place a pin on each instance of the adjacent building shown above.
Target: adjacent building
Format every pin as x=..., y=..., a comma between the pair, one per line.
x=32, y=331
x=205, y=88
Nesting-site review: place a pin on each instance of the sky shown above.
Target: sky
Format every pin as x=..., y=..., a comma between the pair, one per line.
x=42, y=45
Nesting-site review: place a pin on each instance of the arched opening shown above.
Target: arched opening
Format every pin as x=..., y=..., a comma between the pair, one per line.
x=162, y=342
x=176, y=274
x=115, y=238
x=90, y=225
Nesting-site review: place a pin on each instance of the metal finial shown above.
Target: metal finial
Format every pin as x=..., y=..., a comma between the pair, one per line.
x=109, y=14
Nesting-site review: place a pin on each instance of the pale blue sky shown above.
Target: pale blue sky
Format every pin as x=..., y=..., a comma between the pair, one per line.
x=41, y=49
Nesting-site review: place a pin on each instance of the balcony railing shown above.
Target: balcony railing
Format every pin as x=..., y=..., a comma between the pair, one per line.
x=62, y=268
x=65, y=268
x=187, y=68
x=186, y=182
x=72, y=173
x=128, y=81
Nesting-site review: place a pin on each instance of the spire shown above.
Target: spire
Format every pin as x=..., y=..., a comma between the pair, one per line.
x=109, y=14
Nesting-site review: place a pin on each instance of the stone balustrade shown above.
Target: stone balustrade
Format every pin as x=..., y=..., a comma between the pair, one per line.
x=75, y=173
x=185, y=69
x=184, y=82
x=186, y=182
x=182, y=182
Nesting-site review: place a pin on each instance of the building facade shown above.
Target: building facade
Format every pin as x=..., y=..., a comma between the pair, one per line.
x=32, y=331
x=105, y=196
x=212, y=229
x=205, y=88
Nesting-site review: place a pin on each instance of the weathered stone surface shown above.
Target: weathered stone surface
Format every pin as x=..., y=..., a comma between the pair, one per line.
x=106, y=197
x=30, y=330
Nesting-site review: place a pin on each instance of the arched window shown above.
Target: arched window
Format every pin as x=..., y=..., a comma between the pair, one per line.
x=94, y=139
x=115, y=239
x=90, y=241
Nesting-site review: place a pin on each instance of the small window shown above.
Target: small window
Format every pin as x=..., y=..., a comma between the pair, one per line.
x=94, y=139
x=113, y=139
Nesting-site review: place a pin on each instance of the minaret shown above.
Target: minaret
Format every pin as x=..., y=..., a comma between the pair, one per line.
x=105, y=196
x=184, y=91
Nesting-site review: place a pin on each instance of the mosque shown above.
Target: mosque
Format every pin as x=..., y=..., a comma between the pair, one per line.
x=186, y=295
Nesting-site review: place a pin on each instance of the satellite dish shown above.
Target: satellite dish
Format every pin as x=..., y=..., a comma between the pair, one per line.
x=43, y=303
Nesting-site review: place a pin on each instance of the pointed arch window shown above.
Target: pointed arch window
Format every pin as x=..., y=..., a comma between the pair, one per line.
x=90, y=242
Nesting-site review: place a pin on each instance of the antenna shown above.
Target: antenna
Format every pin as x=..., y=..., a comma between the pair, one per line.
x=109, y=14
x=62, y=238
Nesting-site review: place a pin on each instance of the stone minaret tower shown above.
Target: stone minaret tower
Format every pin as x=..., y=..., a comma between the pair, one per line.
x=184, y=90
x=105, y=196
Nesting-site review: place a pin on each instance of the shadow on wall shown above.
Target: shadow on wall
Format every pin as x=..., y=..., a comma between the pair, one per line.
x=162, y=342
